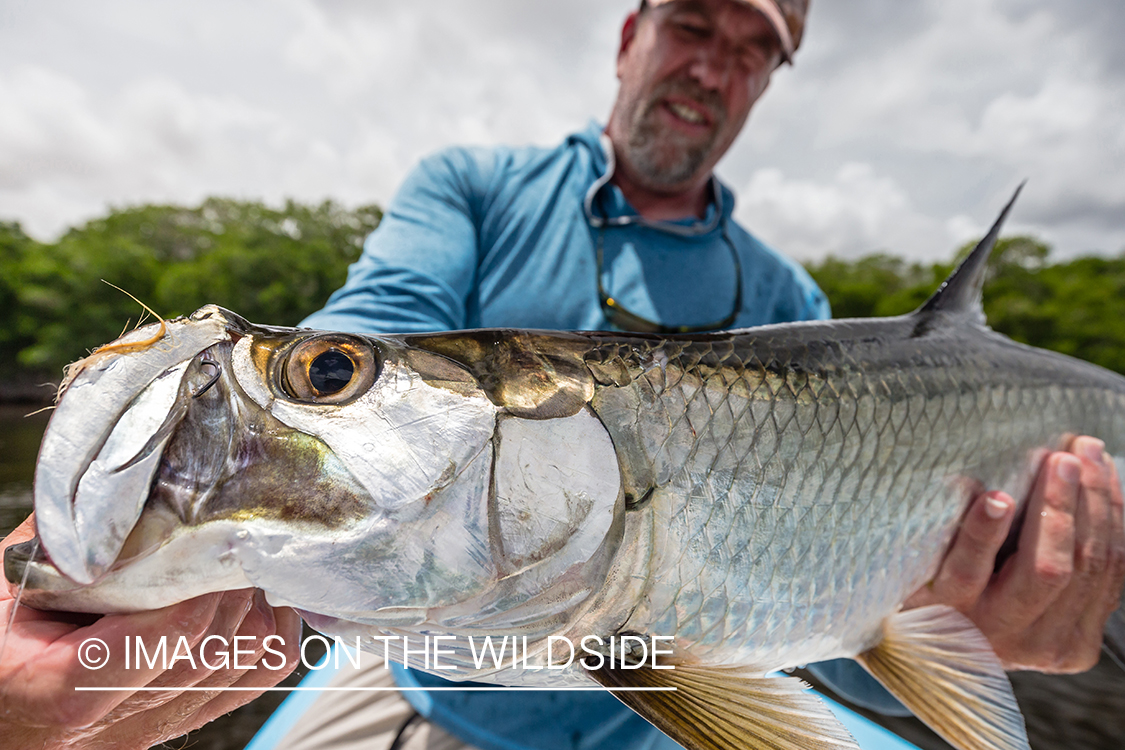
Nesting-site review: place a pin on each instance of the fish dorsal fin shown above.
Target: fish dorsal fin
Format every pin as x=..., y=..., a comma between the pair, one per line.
x=961, y=292
x=720, y=708
x=943, y=669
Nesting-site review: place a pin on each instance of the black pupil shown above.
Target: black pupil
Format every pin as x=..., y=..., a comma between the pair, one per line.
x=331, y=372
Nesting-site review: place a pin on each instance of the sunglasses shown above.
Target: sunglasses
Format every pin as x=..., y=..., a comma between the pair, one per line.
x=619, y=316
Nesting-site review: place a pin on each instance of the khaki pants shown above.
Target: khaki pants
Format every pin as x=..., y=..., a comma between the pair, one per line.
x=365, y=720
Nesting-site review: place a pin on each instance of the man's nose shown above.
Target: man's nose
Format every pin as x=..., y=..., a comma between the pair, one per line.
x=712, y=64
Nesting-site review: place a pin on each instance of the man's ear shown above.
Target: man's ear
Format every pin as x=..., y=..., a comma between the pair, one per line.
x=628, y=33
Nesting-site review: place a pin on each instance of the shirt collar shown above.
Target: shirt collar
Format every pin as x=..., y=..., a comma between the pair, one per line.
x=605, y=204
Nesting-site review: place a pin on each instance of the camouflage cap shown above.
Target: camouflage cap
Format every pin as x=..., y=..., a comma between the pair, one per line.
x=786, y=16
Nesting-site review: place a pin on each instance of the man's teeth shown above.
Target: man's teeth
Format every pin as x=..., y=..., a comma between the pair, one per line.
x=686, y=113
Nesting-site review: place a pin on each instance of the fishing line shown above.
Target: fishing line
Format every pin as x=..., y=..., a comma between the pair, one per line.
x=19, y=595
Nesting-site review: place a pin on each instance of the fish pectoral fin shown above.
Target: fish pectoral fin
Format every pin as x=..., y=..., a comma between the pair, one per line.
x=721, y=708
x=936, y=661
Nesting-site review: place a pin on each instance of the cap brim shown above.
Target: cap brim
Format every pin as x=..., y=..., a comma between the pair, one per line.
x=773, y=14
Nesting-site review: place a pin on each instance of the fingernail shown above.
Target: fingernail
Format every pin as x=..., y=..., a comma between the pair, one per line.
x=1092, y=449
x=996, y=508
x=1069, y=469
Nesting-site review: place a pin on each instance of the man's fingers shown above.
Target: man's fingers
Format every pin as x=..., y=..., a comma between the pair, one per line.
x=1042, y=566
x=229, y=614
x=198, y=662
x=59, y=668
x=289, y=629
x=1106, y=596
x=968, y=565
x=1065, y=638
x=1094, y=528
x=189, y=710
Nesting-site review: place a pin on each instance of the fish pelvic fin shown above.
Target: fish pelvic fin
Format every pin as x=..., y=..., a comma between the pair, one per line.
x=961, y=292
x=943, y=669
x=723, y=708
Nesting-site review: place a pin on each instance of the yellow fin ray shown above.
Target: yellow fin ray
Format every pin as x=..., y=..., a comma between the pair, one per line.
x=722, y=708
x=943, y=669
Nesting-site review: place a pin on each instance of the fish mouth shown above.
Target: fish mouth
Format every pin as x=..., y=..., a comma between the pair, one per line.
x=157, y=459
x=27, y=562
x=28, y=566
x=101, y=451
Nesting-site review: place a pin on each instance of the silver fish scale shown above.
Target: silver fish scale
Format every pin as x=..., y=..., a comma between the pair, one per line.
x=804, y=487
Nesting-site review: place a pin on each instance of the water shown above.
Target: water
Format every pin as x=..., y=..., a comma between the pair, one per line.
x=19, y=445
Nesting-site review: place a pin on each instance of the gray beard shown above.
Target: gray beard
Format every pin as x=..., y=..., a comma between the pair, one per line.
x=658, y=157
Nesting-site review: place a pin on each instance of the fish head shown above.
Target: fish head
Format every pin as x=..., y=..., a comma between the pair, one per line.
x=346, y=475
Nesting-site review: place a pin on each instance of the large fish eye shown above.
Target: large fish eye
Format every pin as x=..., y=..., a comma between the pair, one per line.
x=331, y=372
x=329, y=369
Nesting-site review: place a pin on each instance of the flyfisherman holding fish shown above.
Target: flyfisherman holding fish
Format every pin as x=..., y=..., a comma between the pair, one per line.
x=623, y=227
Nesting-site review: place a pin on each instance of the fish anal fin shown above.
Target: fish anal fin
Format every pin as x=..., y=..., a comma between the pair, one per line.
x=943, y=669
x=722, y=708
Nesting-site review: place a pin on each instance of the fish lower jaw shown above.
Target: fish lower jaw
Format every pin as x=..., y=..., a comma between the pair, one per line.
x=199, y=560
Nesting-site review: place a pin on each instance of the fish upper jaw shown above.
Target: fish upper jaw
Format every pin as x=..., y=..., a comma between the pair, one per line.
x=103, y=444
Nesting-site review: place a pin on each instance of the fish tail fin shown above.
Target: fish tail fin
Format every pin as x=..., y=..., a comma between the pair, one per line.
x=943, y=669
x=961, y=292
x=717, y=708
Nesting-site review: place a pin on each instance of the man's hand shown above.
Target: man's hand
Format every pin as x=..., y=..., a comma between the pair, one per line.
x=40, y=667
x=1047, y=606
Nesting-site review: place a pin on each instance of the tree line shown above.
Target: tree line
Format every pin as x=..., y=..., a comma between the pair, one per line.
x=1075, y=307
x=277, y=265
x=271, y=265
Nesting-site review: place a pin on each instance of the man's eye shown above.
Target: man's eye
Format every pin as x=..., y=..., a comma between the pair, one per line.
x=757, y=56
x=753, y=59
x=694, y=30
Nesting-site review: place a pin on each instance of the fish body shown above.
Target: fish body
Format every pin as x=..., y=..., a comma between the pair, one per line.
x=801, y=491
x=763, y=498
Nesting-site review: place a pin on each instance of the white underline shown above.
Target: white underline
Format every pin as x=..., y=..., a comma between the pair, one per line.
x=496, y=689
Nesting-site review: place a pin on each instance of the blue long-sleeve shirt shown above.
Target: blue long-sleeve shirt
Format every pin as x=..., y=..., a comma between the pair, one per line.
x=494, y=237
x=508, y=237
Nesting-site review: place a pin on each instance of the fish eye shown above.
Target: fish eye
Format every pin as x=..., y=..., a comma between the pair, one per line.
x=331, y=372
x=329, y=369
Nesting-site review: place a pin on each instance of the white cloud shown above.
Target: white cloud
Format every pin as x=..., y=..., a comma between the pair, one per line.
x=856, y=213
x=957, y=101
x=47, y=129
x=903, y=125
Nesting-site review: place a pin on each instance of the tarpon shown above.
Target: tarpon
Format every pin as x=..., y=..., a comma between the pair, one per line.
x=761, y=498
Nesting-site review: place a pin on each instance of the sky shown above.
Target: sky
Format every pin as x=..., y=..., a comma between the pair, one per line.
x=903, y=126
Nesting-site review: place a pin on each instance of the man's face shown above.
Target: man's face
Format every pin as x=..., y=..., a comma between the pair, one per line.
x=690, y=71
